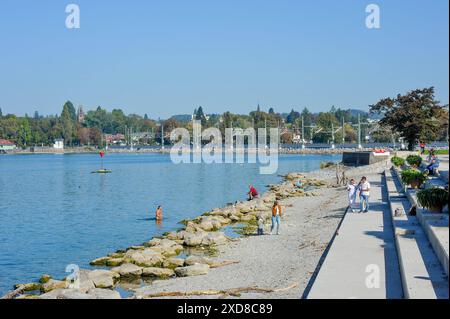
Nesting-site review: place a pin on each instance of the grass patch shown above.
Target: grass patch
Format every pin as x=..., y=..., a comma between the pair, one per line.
x=437, y=152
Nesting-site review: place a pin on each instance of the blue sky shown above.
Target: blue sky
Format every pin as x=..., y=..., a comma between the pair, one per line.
x=169, y=57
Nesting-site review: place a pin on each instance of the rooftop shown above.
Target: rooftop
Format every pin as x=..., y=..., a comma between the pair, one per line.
x=6, y=142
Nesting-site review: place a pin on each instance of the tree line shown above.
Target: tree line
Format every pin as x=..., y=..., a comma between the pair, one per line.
x=414, y=116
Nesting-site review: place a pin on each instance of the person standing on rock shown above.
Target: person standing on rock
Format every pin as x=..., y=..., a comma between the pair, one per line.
x=276, y=217
x=352, y=190
x=364, y=195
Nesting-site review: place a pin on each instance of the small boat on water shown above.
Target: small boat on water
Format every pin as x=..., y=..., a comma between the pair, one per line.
x=102, y=171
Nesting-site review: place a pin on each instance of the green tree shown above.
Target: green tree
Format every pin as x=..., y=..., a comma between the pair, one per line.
x=415, y=115
x=293, y=117
x=68, y=122
x=200, y=116
x=24, y=133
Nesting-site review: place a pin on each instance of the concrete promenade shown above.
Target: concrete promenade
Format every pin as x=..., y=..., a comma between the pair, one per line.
x=362, y=262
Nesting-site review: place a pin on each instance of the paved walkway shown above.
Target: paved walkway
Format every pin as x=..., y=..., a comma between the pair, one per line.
x=364, y=249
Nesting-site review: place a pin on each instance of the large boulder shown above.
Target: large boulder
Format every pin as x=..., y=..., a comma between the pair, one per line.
x=29, y=287
x=85, y=283
x=116, y=255
x=103, y=278
x=173, y=262
x=244, y=207
x=128, y=270
x=99, y=261
x=65, y=294
x=153, y=242
x=157, y=272
x=193, y=260
x=248, y=218
x=269, y=198
x=167, y=247
x=173, y=235
x=53, y=284
x=192, y=227
x=208, y=225
x=114, y=262
x=98, y=293
x=44, y=278
x=145, y=258
x=194, y=239
x=194, y=270
x=214, y=238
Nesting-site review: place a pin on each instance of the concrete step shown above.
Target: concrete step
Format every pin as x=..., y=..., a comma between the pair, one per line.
x=435, y=226
x=423, y=277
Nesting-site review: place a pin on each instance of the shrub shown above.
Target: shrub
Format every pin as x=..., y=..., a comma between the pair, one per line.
x=414, y=160
x=397, y=161
x=413, y=177
x=433, y=198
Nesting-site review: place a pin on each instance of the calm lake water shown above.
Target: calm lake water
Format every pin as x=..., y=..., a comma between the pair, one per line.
x=54, y=212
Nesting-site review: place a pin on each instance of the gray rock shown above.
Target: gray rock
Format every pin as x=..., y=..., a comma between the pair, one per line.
x=157, y=272
x=194, y=270
x=128, y=270
x=145, y=258
x=64, y=294
x=99, y=261
x=98, y=293
x=194, y=239
x=103, y=278
x=192, y=260
x=53, y=284
x=214, y=238
x=173, y=262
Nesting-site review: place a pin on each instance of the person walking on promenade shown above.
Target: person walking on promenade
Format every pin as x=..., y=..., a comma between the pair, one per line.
x=352, y=190
x=276, y=217
x=364, y=195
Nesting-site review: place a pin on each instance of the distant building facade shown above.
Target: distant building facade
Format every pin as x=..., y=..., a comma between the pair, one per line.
x=59, y=144
x=114, y=138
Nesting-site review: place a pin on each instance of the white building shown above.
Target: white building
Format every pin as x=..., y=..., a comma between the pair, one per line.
x=59, y=144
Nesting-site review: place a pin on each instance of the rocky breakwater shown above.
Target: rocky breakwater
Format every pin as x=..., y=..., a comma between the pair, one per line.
x=162, y=257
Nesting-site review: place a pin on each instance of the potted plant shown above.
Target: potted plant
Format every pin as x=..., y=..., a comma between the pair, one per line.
x=434, y=199
x=413, y=177
x=397, y=161
x=414, y=160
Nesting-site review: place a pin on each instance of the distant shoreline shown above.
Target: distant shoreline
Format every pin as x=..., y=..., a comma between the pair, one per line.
x=283, y=151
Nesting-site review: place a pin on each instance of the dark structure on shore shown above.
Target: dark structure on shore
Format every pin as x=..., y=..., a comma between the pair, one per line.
x=362, y=158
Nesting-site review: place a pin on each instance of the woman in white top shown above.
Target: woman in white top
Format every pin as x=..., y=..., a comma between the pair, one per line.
x=352, y=190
